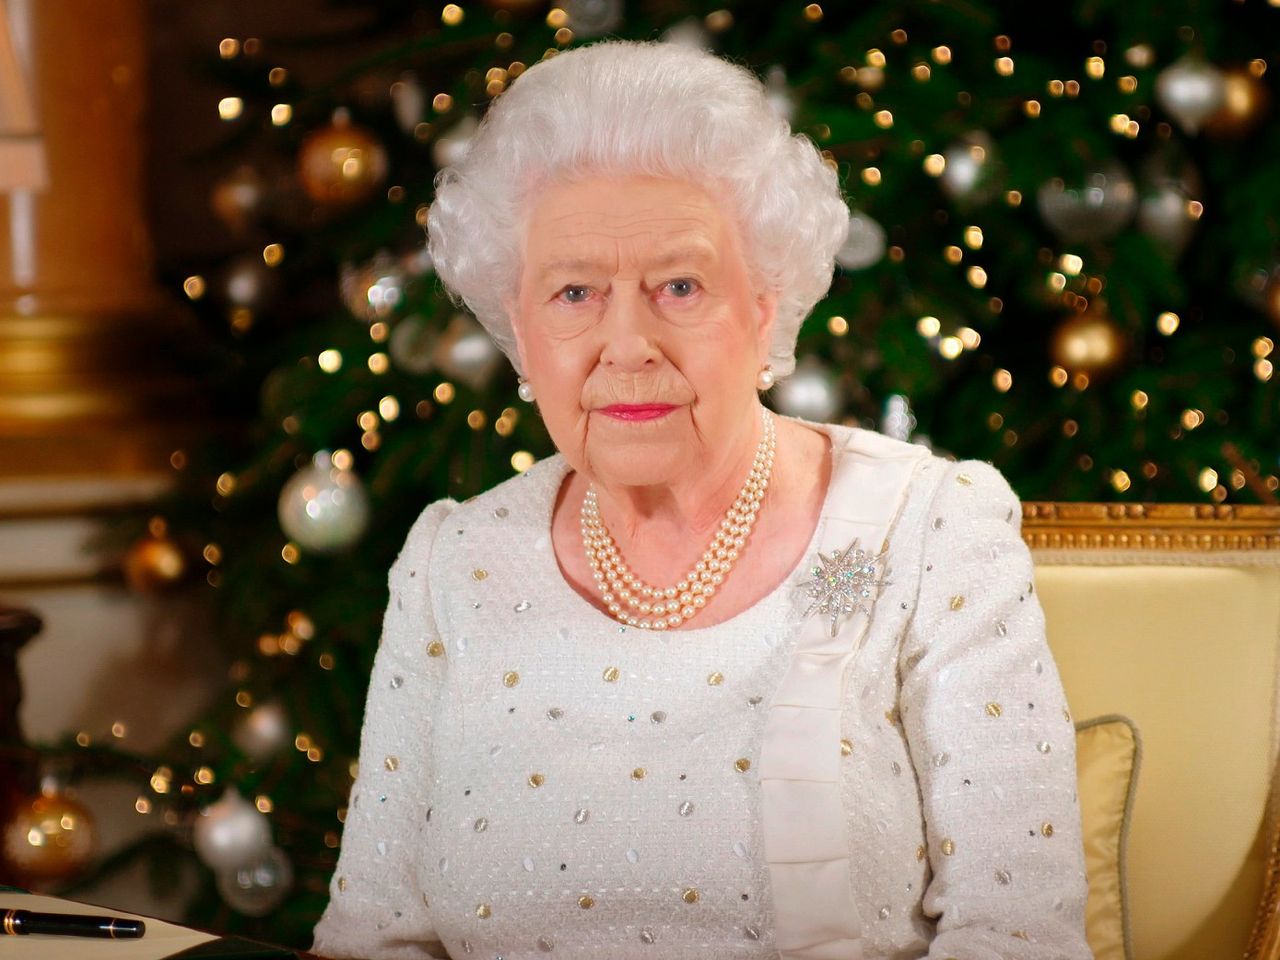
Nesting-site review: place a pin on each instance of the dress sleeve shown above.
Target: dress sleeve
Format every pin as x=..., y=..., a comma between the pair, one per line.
x=990, y=736
x=376, y=908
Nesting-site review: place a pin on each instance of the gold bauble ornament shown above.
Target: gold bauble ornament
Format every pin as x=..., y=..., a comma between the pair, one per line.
x=1089, y=343
x=1245, y=103
x=50, y=837
x=1271, y=297
x=238, y=197
x=153, y=564
x=342, y=164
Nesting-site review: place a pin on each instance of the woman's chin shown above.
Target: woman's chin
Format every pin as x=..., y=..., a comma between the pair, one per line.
x=637, y=464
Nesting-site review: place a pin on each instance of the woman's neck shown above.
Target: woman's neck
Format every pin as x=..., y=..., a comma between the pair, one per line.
x=690, y=507
x=803, y=462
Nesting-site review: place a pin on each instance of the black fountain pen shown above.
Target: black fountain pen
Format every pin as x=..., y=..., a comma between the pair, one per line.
x=19, y=922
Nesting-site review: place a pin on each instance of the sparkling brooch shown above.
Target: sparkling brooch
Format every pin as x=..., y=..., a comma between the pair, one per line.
x=842, y=581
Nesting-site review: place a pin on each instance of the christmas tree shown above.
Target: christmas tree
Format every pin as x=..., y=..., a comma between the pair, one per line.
x=1061, y=259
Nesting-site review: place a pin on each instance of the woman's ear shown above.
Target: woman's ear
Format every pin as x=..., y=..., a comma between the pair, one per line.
x=767, y=315
x=511, y=306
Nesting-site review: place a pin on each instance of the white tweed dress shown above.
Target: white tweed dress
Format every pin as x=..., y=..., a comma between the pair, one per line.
x=536, y=780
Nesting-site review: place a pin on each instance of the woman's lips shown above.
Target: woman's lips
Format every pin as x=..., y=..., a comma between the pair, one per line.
x=637, y=411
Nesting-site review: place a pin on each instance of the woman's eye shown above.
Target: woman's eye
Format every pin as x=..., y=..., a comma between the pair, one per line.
x=575, y=294
x=684, y=287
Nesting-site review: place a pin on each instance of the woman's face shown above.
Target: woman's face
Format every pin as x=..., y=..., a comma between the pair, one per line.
x=639, y=328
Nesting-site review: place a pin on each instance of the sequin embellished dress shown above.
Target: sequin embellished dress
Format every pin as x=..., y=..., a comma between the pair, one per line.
x=537, y=780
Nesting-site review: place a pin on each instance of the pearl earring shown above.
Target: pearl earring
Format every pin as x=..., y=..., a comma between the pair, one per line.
x=764, y=380
x=525, y=390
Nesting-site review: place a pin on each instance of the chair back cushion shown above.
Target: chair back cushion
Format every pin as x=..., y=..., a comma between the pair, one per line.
x=1108, y=762
x=1189, y=652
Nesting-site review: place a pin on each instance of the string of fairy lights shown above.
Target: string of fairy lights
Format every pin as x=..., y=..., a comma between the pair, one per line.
x=1083, y=348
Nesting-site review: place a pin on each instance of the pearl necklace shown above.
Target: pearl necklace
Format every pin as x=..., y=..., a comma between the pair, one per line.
x=636, y=603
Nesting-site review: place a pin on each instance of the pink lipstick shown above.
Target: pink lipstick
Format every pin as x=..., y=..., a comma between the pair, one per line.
x=637, y=411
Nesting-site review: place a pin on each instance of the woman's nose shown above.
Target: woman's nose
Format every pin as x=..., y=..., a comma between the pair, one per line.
x=628, y=329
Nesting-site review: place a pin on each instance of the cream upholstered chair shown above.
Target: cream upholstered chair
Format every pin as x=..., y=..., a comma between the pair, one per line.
x=1170, y=615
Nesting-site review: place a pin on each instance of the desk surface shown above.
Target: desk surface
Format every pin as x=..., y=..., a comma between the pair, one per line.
x=162, y=939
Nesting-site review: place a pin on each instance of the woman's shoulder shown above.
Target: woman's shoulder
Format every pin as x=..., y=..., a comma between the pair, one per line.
x=932, y=483
x=526, y=496
x=862, y=456
x=855, y=448
x=523, y=500
x=931, y=469
x=871, y=444
x=415, y=554
x=959, y=493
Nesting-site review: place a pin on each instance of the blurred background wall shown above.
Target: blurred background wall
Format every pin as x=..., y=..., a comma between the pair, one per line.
x=100, y=366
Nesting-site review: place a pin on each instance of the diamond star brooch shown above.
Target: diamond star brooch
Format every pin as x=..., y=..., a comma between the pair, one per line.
x=843, y=581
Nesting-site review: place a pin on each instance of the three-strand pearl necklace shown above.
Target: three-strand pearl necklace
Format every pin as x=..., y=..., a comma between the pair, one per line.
x=636, y=603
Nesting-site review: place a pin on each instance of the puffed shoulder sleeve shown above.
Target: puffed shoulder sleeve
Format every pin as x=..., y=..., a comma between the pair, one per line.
x=375, y=909
x=990, y=736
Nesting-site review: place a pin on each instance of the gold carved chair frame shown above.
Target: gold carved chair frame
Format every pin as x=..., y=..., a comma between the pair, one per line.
x=1208, y=534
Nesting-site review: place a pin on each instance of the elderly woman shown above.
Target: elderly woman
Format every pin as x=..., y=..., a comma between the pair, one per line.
x=709, y=682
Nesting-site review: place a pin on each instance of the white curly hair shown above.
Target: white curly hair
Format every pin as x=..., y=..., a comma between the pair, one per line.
x=621, y=107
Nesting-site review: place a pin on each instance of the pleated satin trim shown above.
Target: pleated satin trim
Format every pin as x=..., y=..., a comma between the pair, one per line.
x=806, y=842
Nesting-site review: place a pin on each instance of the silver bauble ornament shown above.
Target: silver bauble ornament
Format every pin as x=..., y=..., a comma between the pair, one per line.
x=257, y=887
x=1190, y=91
x=778, y=94
x=592, y=18
x=1164, y=215
x=374, y=289
x=467, y=353
x=408, y=101
x=971, y=172
x=413, y=345
x=230, y=831
x=1095, y=210
x=810, y=393
x=417, y=263
x=898, y=421
x=864, y=246
x=454, y=143
x=249, y=282
x=323, y=508
x=688, y=32
x=264, y=731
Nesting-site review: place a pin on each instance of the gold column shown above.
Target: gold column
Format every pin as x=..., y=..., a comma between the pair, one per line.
x=89, y=378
